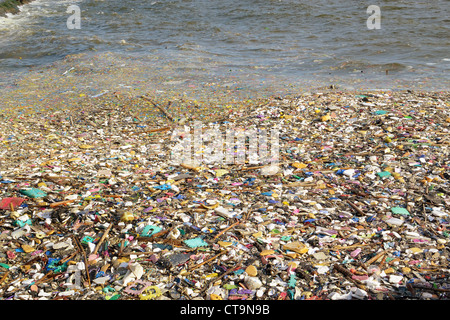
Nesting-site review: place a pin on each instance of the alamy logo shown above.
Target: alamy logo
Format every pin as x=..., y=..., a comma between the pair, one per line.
x=232, y=145
x=374, y=21
x=74, y=21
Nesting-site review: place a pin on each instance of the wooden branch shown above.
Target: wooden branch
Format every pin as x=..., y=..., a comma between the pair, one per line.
x=160, y=108
x=99, y=243
x=207, y=261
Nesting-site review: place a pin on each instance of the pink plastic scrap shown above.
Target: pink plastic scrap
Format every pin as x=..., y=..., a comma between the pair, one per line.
x=5, y=204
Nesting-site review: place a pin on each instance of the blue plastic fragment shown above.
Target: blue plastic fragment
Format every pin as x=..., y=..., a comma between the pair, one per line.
x=232, y=292
x=163, y=187
x=239, y=271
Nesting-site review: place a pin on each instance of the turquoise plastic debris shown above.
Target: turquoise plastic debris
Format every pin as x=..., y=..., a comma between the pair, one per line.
x=33, y=192
x=148, y=231
x=291, y=293
x=292, y=281
x=400, y=210
x=383, y=174
x=52, y=265
x=108, y=289
x=21, y=223
x=4, y=265
x=195, y=242
x=125, y=243
x=87, y=239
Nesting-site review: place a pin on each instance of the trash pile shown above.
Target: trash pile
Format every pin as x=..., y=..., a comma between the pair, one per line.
x=92, y=205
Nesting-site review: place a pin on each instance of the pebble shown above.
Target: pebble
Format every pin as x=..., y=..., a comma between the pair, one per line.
x=252, y=283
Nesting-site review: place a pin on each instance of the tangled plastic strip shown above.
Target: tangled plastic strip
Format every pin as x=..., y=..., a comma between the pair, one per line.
x=150, y=293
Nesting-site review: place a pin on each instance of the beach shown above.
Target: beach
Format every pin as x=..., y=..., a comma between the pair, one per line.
x=115, y=182
x=95, y=207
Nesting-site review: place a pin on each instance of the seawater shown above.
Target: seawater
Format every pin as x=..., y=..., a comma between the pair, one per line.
x=270, y=44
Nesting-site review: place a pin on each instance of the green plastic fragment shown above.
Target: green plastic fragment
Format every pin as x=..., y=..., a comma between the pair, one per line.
x=285, y=238
x=291, y=293
x=195, y=242
x=148, y=231
x=400, y=210
x=229, y=286
x=53, y=265
x=114, y=297
x=87, y=239
x=60, y=268
x=125, y=243
x=292, y=281
x=21, y=223
x=4, y=265
x=108, y=289
x=33, y=193
x=383, y=174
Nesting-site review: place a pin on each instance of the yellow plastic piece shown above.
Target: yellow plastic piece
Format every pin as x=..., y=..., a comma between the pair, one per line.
x=127, y=216
x=150, y=293
x=299, y=165
x=296, y=246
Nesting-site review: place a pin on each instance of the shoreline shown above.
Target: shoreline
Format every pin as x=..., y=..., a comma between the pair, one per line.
x=77, y=79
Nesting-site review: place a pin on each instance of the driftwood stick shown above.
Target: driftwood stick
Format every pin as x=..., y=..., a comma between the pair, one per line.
x=207, y=261
x=84, y=258
x=160, y=108
x=99, y=243
x=358, y=210
x=226, y=229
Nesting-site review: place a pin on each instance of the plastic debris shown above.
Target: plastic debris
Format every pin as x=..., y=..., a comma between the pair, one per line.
x=357, y=206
